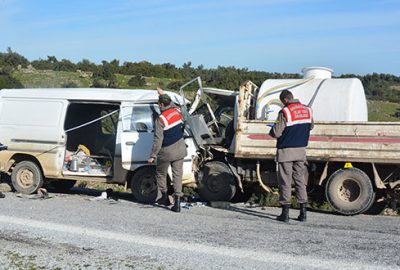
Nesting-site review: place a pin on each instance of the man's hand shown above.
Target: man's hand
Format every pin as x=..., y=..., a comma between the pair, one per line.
x=150, y=161
x=160, y=91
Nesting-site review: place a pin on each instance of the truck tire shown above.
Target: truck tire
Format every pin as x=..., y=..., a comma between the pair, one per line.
x=144, y=185
x=217, y=182
x=349, y=191
x=26, y=177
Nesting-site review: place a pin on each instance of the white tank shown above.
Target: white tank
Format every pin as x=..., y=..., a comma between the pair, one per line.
x=330, y=99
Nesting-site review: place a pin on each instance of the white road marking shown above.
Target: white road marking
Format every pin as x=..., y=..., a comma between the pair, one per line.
x=187, y=247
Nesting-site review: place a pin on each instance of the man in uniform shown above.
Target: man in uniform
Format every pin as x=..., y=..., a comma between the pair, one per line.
x=169, y=149
x=292, y=130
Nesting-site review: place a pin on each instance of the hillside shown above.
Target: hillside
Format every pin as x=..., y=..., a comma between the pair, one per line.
x=32, y=78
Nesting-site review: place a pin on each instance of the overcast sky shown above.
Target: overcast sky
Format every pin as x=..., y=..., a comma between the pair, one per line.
x=349, y=36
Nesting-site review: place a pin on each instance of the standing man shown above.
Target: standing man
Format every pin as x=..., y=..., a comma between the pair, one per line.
x=292, y=129
x=169, y=149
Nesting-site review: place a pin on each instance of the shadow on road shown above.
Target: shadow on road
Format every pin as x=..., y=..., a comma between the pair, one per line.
x=252, y=212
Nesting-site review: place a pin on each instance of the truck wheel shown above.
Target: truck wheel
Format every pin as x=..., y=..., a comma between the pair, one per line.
x=349, y=191
x=217, y=182
x=26, y=177
x=144, y=185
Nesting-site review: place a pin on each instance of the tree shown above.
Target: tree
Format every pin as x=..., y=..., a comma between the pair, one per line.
x=64, y=65
x=86, y=65
x=13, y=59
x=7, y=81
x=136, y=81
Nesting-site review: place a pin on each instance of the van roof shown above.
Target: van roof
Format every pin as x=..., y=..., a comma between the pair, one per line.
x=89, y=94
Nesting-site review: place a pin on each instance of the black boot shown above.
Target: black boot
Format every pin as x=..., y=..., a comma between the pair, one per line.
x=177, y=204
x=303, y=212
x=164, y=200
x=284, y=217
x=2, y=195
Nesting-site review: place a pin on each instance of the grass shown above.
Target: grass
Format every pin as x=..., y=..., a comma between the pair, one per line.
x=32, y=78
x=49, y=79
x=382, y=111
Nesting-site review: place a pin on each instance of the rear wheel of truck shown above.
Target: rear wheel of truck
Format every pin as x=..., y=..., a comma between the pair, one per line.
x=144, y=185
x=217, y=182
x=350, y=191
x=26, y=177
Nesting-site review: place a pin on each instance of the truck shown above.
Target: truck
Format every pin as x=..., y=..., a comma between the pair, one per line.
x=354, y=165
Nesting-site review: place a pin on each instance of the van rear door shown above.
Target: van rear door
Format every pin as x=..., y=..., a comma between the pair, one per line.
x=137, y=133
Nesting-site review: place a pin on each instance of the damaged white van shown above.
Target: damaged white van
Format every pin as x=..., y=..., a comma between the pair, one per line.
x=65, y=135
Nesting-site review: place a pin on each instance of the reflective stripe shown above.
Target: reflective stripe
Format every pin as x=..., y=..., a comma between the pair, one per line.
x=171, y=118
x=163, y=120
x=173, y=125
x=297, y=113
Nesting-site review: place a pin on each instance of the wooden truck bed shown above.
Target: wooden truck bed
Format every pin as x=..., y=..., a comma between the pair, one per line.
x=377, y=142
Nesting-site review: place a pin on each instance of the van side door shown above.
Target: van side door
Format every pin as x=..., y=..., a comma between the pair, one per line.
x=137, y=133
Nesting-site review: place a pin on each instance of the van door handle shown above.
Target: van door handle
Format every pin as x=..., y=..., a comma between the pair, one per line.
x=130, y=143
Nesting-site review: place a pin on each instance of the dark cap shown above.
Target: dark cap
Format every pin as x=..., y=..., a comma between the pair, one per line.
x=164, y=99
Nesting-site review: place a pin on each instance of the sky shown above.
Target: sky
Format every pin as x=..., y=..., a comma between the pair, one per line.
x=349, y=36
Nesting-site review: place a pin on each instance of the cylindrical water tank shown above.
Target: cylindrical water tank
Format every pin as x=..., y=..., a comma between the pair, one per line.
x=317, y=72
x=331, y=99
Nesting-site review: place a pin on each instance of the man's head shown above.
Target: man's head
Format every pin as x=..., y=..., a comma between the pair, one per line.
x=286, y=96
x=164, y=100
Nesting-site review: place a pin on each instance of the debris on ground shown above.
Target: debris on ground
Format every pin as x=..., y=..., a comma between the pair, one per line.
x=5, y=187
x=109, y=194
x=188, y=205
x=390, y=212
x=41, y=194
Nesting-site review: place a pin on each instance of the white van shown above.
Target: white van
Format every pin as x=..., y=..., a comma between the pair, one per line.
x=103, y=135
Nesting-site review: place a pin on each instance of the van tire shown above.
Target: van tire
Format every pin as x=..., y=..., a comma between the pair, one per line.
x=350, y=191
x=144, y=185
x=217, y=182
x=26, y=177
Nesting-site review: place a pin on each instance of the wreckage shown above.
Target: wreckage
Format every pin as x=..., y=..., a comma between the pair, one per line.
x=65, y=135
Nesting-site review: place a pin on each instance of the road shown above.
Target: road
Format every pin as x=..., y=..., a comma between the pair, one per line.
x=69, y=231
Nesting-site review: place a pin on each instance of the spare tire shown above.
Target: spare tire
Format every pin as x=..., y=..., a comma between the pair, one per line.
x=350, y=191
x=217, y=182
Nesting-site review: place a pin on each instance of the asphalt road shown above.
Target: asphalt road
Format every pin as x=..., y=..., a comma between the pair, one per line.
x=69, y=231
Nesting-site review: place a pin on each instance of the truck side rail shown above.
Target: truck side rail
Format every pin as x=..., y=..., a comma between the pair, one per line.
x=377, y=142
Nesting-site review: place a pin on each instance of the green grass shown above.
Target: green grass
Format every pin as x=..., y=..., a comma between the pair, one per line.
x=57, y=79
x=382, y=111
x=49, y=78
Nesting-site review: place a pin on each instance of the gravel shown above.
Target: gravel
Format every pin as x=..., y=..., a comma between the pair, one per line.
x=69, y=231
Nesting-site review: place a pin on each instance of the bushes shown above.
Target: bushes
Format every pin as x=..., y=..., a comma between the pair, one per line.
x=7, y=81
x=137, y=81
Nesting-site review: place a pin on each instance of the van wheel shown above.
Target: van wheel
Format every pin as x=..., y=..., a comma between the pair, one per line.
x=26, y=177
x=350, y=191
x=144, y=185
x=217, y=182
